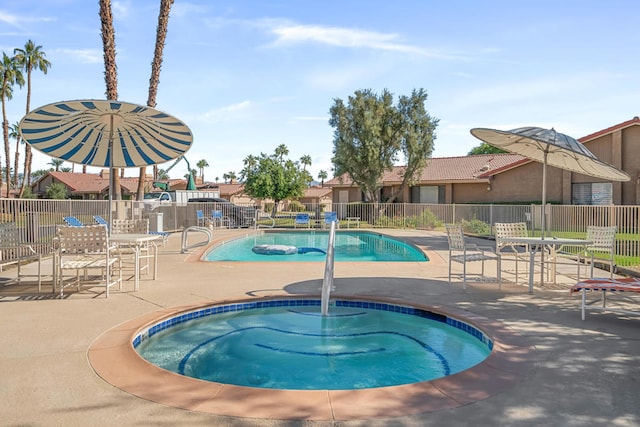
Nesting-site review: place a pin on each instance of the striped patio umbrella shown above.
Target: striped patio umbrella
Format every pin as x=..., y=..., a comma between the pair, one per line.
x=104, y=133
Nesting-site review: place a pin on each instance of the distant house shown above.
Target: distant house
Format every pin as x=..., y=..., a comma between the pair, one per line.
x=511, y=178
x=84, y=186
x=444, y=180
x=92, y=186
x=317, y=197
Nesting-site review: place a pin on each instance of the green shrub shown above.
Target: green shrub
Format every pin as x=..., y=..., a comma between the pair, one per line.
x=475, y=226
x=428, y=220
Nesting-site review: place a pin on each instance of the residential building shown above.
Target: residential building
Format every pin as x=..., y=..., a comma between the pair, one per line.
x=511, y=178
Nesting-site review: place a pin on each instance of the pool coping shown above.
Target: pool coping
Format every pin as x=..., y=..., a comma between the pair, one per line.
x=114, y=359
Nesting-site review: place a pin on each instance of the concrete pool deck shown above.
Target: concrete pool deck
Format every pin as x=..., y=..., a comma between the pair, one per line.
x=581, y=372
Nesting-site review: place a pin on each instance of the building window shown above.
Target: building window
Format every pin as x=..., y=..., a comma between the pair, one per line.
x=592, y=193
x=433, y=194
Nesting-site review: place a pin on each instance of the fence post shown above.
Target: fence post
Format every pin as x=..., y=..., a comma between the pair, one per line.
x=491, y=216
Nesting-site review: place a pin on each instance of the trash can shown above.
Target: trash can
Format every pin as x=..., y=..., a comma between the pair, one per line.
x=156, y=221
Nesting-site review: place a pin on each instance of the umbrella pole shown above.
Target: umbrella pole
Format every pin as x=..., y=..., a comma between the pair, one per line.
x=111, y=180
x=544, y=212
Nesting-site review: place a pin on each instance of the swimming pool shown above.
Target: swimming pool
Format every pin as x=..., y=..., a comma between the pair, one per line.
x=360, y=246
x=287, y=344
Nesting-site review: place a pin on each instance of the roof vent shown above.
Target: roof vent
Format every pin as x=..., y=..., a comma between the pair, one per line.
x=484, y=168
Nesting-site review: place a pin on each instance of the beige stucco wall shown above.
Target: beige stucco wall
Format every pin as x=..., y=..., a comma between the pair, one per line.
x=355, y=195
x=522, y=184
x=621, y=149
x=631, y=164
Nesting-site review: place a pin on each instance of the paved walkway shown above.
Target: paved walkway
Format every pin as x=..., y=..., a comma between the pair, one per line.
x=584, y=372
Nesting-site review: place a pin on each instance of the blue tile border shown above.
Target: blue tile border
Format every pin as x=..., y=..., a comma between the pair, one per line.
x=306, y=302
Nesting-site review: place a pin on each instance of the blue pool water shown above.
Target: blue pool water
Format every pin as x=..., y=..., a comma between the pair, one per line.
x=350, y=246
x=287, y=344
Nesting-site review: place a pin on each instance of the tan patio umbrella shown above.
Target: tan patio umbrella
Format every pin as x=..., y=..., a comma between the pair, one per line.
x=550, y=148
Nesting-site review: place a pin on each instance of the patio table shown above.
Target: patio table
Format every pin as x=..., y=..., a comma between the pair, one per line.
x=552, y=244
x=136, y=242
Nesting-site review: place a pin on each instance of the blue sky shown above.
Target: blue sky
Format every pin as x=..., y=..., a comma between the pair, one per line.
x=247, y=76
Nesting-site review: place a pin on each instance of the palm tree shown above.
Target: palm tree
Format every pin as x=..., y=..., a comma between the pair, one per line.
x=14, y=133
x=56, y=163
x=161, y=35
x=305, y=161
x=229, y=176
x=162, y=174
x=10, y=74
x=281, y=151
x=322, y=175
x=30, y=58
x=110, y=73
x=201, y=165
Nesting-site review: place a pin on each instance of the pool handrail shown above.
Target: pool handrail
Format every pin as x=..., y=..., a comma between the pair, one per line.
x=185, y=246
x=327, y=281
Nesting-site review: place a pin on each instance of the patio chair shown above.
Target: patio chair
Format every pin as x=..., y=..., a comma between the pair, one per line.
x=99, y=220
x=143, y=225
x=146, y=251
x=302, y=219
x=330, y=217
x=201, y=220
x=462, y=252
x=601, y=250
x=14, y=251
x=84, y=249
x=219, y=220
x=504, y=247
x=72, y=221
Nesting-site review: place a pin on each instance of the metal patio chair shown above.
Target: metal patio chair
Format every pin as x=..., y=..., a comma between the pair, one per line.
x=462, y=252
x=602, y=248
x=84, y=250
x=506, y=248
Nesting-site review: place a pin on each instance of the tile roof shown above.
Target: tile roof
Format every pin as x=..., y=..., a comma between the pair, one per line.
x=619, y=126
x=82, y=182
x=313, y=192
x=230, y=189
x=448, y=169
x=92, y=182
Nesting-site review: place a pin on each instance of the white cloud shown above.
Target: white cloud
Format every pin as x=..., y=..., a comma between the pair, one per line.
x=18, y=21
x=9, y=19
x=191, y=10
x=85, y=56
x=288, y=34
x=120, y=9
x=229, y=112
